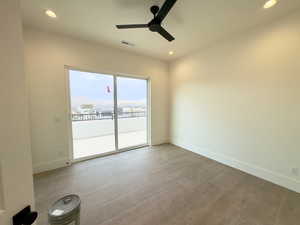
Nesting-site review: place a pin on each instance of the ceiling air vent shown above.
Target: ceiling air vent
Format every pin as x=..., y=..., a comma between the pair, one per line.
x=127, y=43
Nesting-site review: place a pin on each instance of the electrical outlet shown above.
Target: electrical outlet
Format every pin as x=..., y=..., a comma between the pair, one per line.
x=295, y=171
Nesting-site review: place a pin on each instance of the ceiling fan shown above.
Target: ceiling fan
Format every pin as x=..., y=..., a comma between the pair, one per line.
x=155, y=24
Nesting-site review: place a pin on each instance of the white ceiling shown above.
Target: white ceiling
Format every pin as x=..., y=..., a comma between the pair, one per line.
x=194, y=23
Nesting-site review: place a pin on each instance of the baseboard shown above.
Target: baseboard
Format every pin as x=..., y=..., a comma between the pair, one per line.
x=260, y=172
x=55, y=164
x=160, y=142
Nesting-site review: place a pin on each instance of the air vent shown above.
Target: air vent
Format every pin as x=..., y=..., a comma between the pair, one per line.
x=127, y=43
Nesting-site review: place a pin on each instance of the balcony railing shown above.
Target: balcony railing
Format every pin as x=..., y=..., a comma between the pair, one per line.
x=107, y=116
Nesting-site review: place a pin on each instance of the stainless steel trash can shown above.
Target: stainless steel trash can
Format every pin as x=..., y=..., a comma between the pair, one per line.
x=65, y=211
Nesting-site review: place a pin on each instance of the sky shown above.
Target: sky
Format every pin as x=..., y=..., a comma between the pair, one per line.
x=93, y=88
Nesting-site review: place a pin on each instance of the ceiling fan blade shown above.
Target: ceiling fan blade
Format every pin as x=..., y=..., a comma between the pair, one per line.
x=128, y=26
x=164, y=10
x=165, y=34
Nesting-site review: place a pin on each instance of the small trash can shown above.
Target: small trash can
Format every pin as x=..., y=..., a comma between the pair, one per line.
x=65, y=211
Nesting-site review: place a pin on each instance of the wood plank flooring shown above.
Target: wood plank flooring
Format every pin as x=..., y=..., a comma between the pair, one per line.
x=166, y=185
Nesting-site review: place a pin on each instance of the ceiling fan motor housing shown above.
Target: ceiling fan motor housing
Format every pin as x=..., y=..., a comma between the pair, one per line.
x=154, y=27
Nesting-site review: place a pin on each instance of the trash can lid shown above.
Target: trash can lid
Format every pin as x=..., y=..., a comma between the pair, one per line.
x=64, y=205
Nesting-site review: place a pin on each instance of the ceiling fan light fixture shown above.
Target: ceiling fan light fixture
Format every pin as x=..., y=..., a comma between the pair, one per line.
x=270, y=4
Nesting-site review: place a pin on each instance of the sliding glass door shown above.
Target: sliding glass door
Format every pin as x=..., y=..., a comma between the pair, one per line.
x=132, y=112
x=92, y=107
x=108, y=113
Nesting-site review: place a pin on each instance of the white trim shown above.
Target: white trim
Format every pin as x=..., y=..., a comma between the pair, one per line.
x=257, y=171
x=106, y=72
x=133, y=147
x=149, y=113
x=108, y=153
x=2, y=198
x=69, y=116
x=55, y=164
x=2, y=216
x=68, y=112
x=116, y=115
x=160, y=142
x=94, y=156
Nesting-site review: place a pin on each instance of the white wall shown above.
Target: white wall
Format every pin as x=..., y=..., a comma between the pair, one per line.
x=16, y=189
x=45, y=57
x=239, y=101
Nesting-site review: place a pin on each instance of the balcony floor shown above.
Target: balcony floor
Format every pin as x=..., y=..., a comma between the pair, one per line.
x=85, y=147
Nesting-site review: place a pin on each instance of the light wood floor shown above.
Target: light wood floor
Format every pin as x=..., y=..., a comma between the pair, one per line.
x=166, y=185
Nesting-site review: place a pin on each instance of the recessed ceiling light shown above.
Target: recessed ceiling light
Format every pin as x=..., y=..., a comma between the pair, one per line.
x=270, y=3
x=50, y=13
x=171, y=52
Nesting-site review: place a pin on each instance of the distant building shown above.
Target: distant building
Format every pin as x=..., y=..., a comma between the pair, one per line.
x=133, y=109
x=87, y=109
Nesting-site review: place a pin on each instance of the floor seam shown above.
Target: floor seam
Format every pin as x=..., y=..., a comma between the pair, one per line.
x=279, y=208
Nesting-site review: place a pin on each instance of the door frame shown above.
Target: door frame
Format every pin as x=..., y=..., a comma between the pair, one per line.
x=69, y=113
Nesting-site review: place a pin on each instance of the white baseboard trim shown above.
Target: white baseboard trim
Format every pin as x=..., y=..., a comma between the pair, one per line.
x=260, y=172
x=55, y=164
x=160, y=142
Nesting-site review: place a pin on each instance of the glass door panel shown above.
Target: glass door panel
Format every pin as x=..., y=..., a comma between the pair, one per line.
x=92, y=108
x=132, y=112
